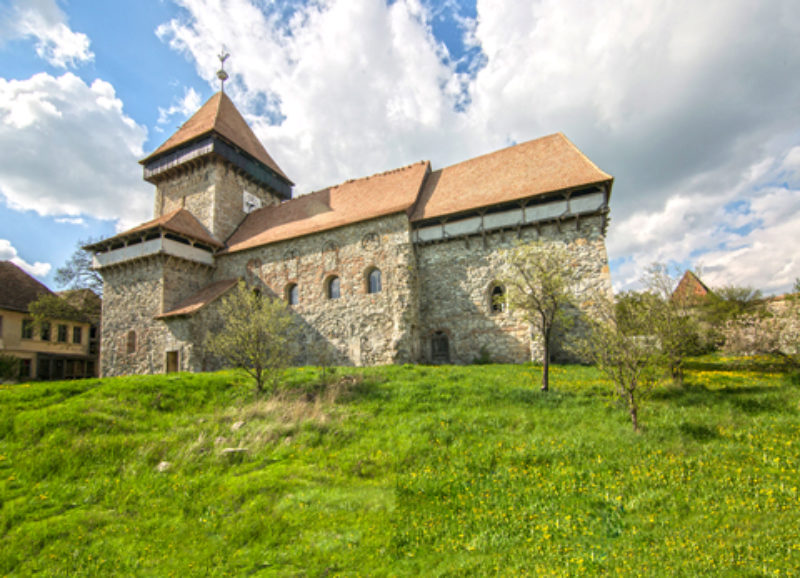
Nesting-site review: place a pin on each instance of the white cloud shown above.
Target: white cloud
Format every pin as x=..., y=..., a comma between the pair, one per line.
x=70, y=150
x=183, y=108
x=9, y=253
x=689, y=122
x=43, y=20
x=71, y=221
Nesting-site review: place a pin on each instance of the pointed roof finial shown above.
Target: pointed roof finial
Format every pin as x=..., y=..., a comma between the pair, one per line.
x=221, y=74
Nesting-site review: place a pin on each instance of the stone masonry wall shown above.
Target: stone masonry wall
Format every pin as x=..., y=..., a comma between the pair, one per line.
x=213, y=194
x=457, y=277
x=132, y=296
x=358, y=328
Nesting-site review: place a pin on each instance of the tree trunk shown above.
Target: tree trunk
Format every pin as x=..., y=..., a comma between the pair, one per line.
x=546, y=364
x=634, y=413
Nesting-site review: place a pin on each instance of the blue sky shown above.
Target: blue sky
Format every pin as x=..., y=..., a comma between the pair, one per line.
x=701, y=131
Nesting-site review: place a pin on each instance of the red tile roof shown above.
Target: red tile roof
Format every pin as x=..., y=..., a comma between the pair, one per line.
x=17, y=288
x=690, y=288
x=218, y=115
x=351, y=202
x=532, y=168
x=179, y=221
x=200, y=299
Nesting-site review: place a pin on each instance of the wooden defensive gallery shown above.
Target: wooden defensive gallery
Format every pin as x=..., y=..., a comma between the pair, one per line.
x=401, y=266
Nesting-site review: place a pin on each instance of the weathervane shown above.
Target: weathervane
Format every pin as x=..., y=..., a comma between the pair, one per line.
x=221, y=74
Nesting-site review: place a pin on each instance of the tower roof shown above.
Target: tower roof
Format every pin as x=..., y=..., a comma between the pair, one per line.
x=218, y=116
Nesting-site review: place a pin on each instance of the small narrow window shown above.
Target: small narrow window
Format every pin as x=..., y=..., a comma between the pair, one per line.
x=27, y=329
x=374, y=281
x=62, y=333
x=1, y=325
x=292, y=294
x=77, y=334
x=498, y=299
x=333, y=288
x=131, y=341
x=44, y=333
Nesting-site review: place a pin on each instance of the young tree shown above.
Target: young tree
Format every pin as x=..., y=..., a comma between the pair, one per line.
x=539, y=285
x=621, y=345
x=77, y=272
x=256, y=335
x=674, y=317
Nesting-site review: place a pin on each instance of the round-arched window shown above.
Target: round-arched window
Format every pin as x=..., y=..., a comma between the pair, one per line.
x=292, y=294
x=498, y=296
x=333, y=288
x=374, y=281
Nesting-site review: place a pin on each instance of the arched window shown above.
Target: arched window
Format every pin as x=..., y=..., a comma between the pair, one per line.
x=374, y=281
x=497, y=299
x=292, y=294
x=333, y=288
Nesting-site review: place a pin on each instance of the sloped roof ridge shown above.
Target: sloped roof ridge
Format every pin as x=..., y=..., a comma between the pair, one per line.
x=580, y=152
x=18, y=288
x=388, y=172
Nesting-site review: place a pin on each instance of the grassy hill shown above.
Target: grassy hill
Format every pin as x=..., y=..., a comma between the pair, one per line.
x=405, y=471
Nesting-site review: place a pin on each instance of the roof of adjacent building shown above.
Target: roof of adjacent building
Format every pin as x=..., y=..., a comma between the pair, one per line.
x=690, y=287
x=218, y=115
x=545, y=165
x=85, y=301
x=17, y=288
x=351, y=202
x=196, y=302
x=179, y=221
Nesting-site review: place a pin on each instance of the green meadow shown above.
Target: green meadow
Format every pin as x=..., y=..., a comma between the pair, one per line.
x=402, y=471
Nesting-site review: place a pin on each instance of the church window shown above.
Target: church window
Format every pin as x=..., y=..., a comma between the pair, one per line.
x=292, y=294
x=333, y=288
x=497, y=299
x=374, y=281
x=131, y=341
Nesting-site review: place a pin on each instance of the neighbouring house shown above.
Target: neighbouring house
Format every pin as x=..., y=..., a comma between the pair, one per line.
x=691, y=289
x=403, y=266
x=57, y=349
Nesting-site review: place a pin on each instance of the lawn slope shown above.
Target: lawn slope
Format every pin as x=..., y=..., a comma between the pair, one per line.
x=406, y=471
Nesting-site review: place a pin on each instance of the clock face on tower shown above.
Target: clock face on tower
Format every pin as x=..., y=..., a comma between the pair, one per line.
x=250, y=202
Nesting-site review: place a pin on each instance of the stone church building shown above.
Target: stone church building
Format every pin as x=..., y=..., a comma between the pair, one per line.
x=398, y=267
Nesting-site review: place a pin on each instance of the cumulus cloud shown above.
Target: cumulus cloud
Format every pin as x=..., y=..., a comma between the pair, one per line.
x=70, y=150
x=9, y=253
x=689, y=122
x=44, y=21
x=183, y=107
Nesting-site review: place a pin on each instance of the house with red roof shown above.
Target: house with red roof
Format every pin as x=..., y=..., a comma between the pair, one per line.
x=397, y=267
x=55, y=349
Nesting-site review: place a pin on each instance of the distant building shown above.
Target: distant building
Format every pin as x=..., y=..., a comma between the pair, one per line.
x=691, y=289
x=58, y=349
x=399, y=267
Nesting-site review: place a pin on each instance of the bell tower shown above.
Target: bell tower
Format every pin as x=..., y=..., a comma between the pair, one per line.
x=215, y=168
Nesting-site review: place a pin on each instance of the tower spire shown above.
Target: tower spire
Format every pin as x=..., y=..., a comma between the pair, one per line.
x=221, y=74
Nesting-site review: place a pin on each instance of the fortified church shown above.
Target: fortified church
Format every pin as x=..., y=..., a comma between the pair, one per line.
x=398, y=267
